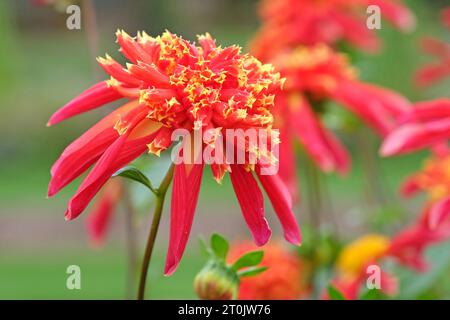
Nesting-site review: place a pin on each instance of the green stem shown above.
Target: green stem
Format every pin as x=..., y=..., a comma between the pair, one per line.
x=90, y=24
x=160, y=196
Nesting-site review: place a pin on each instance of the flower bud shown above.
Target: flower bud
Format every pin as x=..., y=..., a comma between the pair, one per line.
x=216, y=281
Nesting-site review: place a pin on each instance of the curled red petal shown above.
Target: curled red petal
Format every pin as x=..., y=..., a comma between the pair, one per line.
x=115, y=157
x=439, y=213
x=411, y=137
x=251, y=202
x=87, y=149
x=185, y=191
x=94, y=97
x=320, y=143
x=282, y=204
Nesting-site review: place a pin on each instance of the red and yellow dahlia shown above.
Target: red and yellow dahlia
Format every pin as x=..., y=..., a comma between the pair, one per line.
x=285, y=278
x=169, y=84
x=315, y=75
x=289, y=23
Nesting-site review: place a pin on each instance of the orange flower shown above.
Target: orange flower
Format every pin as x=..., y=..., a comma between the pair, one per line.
x=283, y=280
x=289, y=23
x=172, y=84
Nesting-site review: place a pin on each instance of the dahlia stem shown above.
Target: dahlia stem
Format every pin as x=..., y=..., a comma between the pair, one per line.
x=131, y=242
x=314, y=202
x=160, y=196
x=90, y=23
x=371, y=172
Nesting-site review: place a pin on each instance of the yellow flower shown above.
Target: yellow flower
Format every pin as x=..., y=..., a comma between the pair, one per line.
x=356, y=255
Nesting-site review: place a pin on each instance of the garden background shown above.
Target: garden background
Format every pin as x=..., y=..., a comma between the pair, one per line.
x=43, y=65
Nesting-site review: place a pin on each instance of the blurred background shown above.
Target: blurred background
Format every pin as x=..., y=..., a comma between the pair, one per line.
x=43, y=65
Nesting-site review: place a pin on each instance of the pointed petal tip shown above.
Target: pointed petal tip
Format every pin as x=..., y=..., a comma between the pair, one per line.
x=51, y=191
x=263, y=238
x=294, y=238
x=170, y=268
x=388, y=148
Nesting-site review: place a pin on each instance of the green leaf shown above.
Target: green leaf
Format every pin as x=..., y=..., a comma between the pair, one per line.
x=252, y=271
x=335, y=294
x=135, y=174
x=249, y=259
x=219, y=246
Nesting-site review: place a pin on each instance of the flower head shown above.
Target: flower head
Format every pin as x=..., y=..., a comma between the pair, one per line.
x=315, y=75
x=284, y=278
x=289, y=23
x=171, y=84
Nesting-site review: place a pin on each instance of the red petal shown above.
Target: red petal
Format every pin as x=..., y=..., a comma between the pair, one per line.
x=412, y=137
x=282, y=203
x=410, y=186
x=94, y=97
x=287, y=164
x=131, y=49
x=100, y=217
x=396, y=13
x=252, y=203
x=114, y=158
x=439, y=213
x=115, y=69
x=321, y=144
x=355, y=31
x=428, y=111
x=373, y=106
x=430, y=74
x=87, y=149
x=185, y=191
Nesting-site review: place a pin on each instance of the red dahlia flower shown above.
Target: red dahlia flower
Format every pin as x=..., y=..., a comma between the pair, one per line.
x=289, y=23
x=285, y=278
x=172, y=84
x=436, y=71
x=318, y=74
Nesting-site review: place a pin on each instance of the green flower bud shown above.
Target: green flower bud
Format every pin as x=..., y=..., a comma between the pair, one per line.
x=216, y=281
